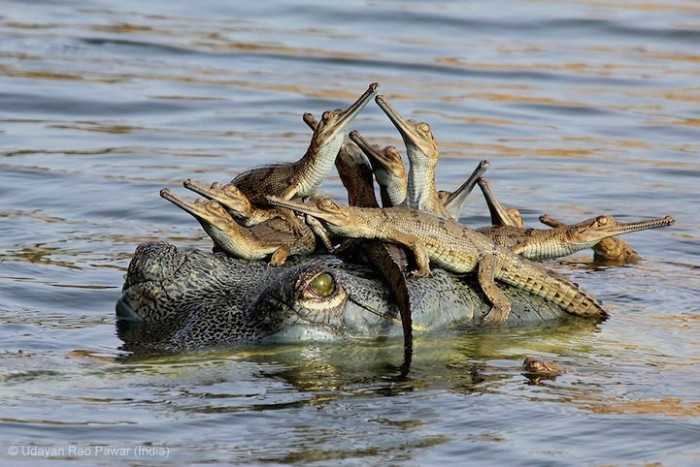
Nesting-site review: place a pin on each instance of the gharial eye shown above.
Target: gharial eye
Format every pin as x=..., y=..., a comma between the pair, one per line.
x=424, y=127
x=323, y=285
x=214, y=207
x=602, y=220
x=317, y=289
x=326, y=203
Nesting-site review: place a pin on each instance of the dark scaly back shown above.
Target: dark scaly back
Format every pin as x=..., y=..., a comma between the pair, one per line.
x=262, y=181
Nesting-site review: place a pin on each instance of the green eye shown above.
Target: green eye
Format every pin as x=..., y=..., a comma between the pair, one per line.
x=323, y=285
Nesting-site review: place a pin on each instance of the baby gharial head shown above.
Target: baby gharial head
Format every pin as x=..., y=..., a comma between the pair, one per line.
x=214, y=208
x=393, y=162
x=595, y=228
x=324, y=209
x=422, y=138
x=423, y=129
x=236, y=200
x=604, y=226
x=334, y=214
x=329, y=118
x=334, y=122
x=417, y=136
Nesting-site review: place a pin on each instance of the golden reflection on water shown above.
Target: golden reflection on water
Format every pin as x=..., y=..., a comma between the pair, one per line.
x=671, y=406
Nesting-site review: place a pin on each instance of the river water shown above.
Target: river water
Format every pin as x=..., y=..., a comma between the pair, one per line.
x=582, y=108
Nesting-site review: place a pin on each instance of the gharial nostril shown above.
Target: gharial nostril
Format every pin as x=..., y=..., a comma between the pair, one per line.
x=125, y=312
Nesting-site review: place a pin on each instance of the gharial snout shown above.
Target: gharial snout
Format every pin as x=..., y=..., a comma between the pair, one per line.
x=154, y=261
x=152, y=264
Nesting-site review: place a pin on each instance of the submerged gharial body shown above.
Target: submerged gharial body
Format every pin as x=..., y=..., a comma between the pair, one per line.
x=175, y=299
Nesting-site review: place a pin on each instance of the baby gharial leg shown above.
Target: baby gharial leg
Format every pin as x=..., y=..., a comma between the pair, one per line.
x=279, y=256
x=500, y=303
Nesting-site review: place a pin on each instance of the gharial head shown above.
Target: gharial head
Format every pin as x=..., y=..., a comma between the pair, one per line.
x=205, y=211
x=334, y=122
x=387, y=160
x=417, y=136
x=606, y=226
x=338, y=218
x=173, y=299
x=227, y=194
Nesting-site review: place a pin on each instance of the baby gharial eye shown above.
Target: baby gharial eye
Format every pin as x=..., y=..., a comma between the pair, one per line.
x=328, y=114
x=231, y=190
x=602, y=220
x=214, y=207
x=423, y=128
x=392, y=152
x=327, y=203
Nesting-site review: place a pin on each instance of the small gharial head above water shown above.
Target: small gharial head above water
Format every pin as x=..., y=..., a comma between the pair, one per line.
x=388, y=158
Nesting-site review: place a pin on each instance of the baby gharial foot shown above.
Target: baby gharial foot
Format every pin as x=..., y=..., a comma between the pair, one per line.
x=420, y=273
x=497, y=315
x=279, y=257
x=295, y=224
x=500, y=303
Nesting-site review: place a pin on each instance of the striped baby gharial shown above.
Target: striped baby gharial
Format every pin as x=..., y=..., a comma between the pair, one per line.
x=453, y=247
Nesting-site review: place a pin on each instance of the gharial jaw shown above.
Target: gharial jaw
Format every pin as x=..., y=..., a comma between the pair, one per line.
x=228, y=195
x=500, y=215
x=388, y=169
x=593, y=230
x=388, y=158
x=454, y=202
x=339, y=219
x=326, y=141
x=419, y=140
x=207, y=212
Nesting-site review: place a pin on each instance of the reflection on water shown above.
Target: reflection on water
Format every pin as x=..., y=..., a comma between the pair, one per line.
x=585, y=108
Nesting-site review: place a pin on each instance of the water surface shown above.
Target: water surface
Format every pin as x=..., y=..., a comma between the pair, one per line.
x=585, y=108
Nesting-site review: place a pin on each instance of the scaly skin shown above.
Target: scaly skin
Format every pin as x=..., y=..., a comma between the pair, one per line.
x=455, y=248
x=271, y=238
x=609, y=249
x=454, y=202
x=303, y=177
x=390, y=260
x=541, y=244
x=423, y=154
x=240, y=207
x=388, y=168
x=356, y=176
x=355, y=173
x=175, y=299
x=500, y=215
